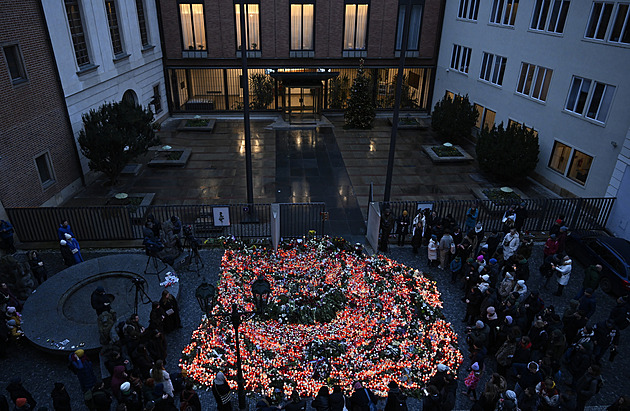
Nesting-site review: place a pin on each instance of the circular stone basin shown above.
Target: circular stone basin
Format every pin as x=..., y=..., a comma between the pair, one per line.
x=58, y=315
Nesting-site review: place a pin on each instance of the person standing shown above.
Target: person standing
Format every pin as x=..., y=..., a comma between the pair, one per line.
x=417, y=232
x=6, y=237
x=402, y=228
x=387, y=224
x=521, y=216
x=396, y=400
x=588, y=385
x=100, y=301
x=74, y=248
x=446, y=246
x=320, y=403
x=172, y=319
x=66, y=253
x=81, y=366
x=160, y=376
x=511, y=241
x=222, y=392
x=189, y=399
x=471, y=218
x=37, y=266
x=432, y=250
x=591, y=279
x=60, y=397
x=564, y=271
x=361, y=398
x=64, y=228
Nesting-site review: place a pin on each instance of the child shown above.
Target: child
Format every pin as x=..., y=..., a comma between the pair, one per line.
x=472, y=381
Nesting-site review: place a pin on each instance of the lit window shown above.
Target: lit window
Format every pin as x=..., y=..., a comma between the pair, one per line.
x=504, y=12
x=479, y=115
x=468, y=9
x=415, y=23
x=534, y=81
x=15, y=64
x=580, y=166
x=355, y=27
x=513, y=123
x=76, y=31
x=485, y=117
x=302, y=16
x=450, y=94
x=559, y=157
x=550, y=15
x=590, y=98
x=142, y=23
x=493, y=68
x=114, y=29
x=193, y=26
x=252, y=23
x=44, y=169
x=460, y=59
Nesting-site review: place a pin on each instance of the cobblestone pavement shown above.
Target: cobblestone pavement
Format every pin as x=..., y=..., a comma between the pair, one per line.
x=39, y=371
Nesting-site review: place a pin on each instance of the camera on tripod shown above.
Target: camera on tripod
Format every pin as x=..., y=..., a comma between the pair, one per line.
x=189, y=238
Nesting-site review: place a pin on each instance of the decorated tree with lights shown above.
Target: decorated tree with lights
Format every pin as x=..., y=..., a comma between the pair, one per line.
x=360, y=112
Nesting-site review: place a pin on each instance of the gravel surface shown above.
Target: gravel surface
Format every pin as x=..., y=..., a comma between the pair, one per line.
x=39, y=371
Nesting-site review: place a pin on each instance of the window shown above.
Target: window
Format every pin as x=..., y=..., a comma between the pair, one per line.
x=142, y=23
x=355, y=27
x=76, y=31
x=449, y=94
x=590, y=98
x=114, y=29
x=44, y=168
x=460, y=59
x=504, y=12
x=15, y=64
x=193, y=26
x=517, y=124
x=609, y=22
x=157, y=99
x=534, y=81
x=485, y=118
x=468, y=9
x=479, y=116
x=415, y=23
x=579, y=166
x=550, y=15
x=252, y=29
x=493, y=68
x=302, y=16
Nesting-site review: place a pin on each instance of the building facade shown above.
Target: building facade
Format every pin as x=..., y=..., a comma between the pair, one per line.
x=302, y=55
x=106, y=51
x=558, y=66
x=38, y=160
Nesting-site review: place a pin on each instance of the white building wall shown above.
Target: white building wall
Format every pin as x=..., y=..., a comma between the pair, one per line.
x=567, y=54
x=619, y=220
x=140, y=71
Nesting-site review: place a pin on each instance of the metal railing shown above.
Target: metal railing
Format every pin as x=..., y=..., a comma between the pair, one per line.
x=579, y=213
x=108, y=223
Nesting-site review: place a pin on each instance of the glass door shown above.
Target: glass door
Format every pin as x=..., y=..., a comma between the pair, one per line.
x=301, y=104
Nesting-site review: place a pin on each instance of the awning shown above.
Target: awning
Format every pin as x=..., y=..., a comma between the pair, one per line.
x=303, y=78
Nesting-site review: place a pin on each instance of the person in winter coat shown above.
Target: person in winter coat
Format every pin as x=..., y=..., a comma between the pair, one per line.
x=320, y=403
x=81, y=365
x=361, y=398
x=159, y=375
x=37, y=266
x=472, y=381
x=432, y=250
x=190, y=398
x=387, y=225
x=60, y=397
x=471, y=218
x=6, y=237
x=551, y=246
x=64, y=228
x=119, y=376
x=511, y=242
x=402, y=227
x=222, y=392
x=549, y=394
x=417, y=232
x=296, y=403
x=16, y=390
x=66, y=253
x=171, y=311
x=592, y=275
x=396, y=401
x=587, y=386
x=564, y=273
x=74, y=248
x=445, y=246
x=456, y=268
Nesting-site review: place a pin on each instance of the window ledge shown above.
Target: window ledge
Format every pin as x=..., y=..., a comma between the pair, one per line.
x=121, y=57
x=87, y=69
x=548, y=33
x=148, y=47
x=355, y=53
x=583, y=117
x=46, y=185
x=529, y=98
x=490, y=83
x=448, y=70
x=466, y=20
x=301, y=54
x=408, y=53
x=19, y=82
x=503, y=26
x=194, y=54
x=606, y=42
x=255, y=54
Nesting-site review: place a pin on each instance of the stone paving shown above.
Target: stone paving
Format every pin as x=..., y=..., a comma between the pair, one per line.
x=40, y=370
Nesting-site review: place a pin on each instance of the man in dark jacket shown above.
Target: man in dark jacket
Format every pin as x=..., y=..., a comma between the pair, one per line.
x=361, y=398
x=6, y=237
x=100, y=301
x=588, y=303
x=591, y=279
x=587, y=386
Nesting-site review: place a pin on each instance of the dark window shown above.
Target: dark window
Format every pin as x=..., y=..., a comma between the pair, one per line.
x=415, y=23
x=157, y=100
x=76, y=30
x=44, y=169
x=114, y=29
x=144, y=37
x=14, y=62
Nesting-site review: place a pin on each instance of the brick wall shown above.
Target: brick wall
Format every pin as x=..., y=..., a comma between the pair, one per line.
x=34, y=117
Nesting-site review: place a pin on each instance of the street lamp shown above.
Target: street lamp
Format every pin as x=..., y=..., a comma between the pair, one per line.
x=205, y=294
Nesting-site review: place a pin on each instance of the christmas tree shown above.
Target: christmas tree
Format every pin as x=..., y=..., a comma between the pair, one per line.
x=360, y=111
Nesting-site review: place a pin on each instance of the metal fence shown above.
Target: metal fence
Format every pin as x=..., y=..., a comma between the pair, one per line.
x=579, y=213
x=109, y=223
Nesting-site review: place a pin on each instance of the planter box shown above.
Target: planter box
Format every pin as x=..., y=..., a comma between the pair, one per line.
x=418, y=124
x=465, y=157
x=208, y=127
x=500, y=207
x=160, y=159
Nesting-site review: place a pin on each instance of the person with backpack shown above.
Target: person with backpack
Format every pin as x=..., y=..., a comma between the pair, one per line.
x=188, y=399
x=222, y=392
x=396, y=400
x=588, y=385
x=362, y=399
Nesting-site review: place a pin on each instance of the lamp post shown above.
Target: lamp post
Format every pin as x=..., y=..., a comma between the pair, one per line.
x=205, y=294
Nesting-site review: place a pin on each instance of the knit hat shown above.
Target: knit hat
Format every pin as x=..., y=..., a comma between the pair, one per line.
x=480, y=258
x=442, y=367
x=510, y=394
x=470, y=260
x=521, y=283
x=485, y=277
x=553, y=236
x=20, y=402
x=67, y=236
x=508, y=318
x=558, y=221
x=490, y=310
x=79, y=353
x=478, y=228
x=220, y=378
x=10, y=310
x=475, y=367
x=125, y=387
x=509, y=276
x=493, y=261
x=12, y=323
x=479, y=324
x=63, y=242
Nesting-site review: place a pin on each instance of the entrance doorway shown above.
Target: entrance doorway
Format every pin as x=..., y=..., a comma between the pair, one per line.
x=302, y=104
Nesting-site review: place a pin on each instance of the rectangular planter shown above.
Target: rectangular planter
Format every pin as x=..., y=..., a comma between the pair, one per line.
x=428, y=149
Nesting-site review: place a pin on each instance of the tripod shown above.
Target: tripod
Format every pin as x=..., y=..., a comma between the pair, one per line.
x=192, y=245
x=156, y=261
x=141, y=294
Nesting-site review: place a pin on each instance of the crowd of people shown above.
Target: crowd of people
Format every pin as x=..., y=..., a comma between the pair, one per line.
x=531, y=356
